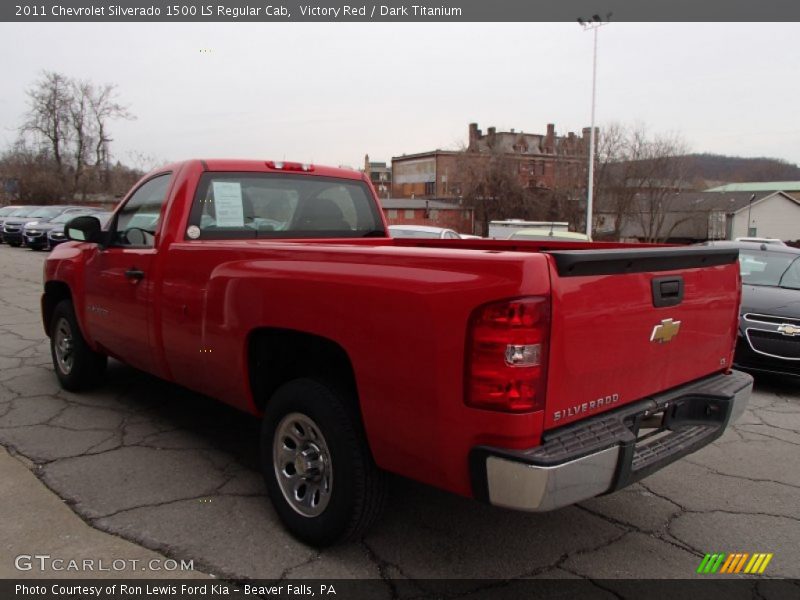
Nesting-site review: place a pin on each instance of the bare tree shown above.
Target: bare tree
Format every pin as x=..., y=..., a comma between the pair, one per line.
x=33, y=172
x=68, y=120
x=80, y=123
x=48, y=118
x=637, y=175
x=660, y=173
x=105, y=107
x=490, y=186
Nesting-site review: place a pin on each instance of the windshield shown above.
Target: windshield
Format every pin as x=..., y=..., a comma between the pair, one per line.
x=775, y=269
x=8, y=210
x=47, y=212
x=25, y=211
x=64, y=217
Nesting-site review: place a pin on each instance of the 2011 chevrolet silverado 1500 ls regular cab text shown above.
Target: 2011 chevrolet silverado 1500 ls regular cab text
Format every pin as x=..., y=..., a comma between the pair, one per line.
x=531, y=375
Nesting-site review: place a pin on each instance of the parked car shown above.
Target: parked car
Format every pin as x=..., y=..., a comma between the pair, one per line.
x=527, y=379
x=769, y=320
x=422, y=231
x=34, y=233
x=55, y=234
x=6, y=211
x=761, y=240
x=15, y=216
x=14, y=227
x=548, y=235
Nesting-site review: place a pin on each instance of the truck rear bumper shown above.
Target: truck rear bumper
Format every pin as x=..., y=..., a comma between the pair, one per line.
x=607, y=452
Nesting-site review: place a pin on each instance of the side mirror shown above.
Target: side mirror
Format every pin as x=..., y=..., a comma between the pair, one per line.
x=84, y=229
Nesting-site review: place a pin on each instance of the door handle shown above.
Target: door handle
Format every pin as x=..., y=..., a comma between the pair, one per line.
x=667, y=291
x=135, y=275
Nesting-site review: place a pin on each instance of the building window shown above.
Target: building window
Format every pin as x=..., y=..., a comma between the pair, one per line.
x=392, y=214
x=409, y=214
x=430, y=188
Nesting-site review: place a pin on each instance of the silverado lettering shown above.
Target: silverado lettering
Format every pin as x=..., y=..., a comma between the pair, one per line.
x=585, y=407
x=461, y=363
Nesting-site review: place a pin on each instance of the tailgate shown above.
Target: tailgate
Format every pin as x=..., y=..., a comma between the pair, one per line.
x=630, y=323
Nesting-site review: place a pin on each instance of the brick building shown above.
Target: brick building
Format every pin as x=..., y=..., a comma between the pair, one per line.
x=418, y=211
x=380, y=174
x=541, y=161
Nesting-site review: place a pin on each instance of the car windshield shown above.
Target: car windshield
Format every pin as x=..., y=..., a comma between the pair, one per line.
x=413, y=233
x=8, y=210
x=46, y=212
x=64, y=217
x=25, y=211
x=777, y=269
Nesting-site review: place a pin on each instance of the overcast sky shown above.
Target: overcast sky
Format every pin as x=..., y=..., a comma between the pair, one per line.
x=331, y=92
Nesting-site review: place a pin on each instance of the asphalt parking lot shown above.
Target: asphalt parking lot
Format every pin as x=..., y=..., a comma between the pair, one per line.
x=177, y=473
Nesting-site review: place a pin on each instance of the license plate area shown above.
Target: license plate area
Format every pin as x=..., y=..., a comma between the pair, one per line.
x=668, y=431
x=674, y=416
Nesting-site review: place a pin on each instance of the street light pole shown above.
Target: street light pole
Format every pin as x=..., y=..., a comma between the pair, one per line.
x=594, y=24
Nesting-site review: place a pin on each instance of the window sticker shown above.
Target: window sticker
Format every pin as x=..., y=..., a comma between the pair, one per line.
x=228, y=203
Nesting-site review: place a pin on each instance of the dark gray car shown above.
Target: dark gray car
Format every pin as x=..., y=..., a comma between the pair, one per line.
x=769, y=319
x=56, y=235
x=35, y=233
x=13, y=212
x=14, y=225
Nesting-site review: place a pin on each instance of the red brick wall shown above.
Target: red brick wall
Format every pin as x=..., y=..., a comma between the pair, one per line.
x=459, y=220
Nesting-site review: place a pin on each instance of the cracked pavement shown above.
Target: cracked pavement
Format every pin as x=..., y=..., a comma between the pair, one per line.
x=177, y=473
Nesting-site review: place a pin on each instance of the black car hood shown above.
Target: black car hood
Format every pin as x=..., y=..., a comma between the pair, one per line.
x=764, y=300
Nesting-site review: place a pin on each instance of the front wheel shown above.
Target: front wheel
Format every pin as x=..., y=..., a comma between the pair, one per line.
x=318, y=468
x=77, y=366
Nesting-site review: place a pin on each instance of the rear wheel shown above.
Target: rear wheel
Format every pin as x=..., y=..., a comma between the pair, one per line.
x=77, y=366
x=318, y=469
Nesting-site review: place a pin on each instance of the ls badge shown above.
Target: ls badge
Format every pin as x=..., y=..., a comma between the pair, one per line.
x=664, y=332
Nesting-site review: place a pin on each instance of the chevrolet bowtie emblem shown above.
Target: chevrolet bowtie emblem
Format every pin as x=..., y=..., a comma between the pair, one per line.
x=787, y=329
x=664, y=332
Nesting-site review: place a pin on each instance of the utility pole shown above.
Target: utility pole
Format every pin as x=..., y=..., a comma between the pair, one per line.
x=593, y=24
x=749, y=211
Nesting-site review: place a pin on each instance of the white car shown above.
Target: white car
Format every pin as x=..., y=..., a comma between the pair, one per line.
x=761, y=240
x=422, y=231
x=549, y=235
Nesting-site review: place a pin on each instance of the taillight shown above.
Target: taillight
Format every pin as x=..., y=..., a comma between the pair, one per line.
x=282, y=165
x=507, y=344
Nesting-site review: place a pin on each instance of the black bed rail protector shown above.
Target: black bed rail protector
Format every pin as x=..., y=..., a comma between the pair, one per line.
x=574, y=263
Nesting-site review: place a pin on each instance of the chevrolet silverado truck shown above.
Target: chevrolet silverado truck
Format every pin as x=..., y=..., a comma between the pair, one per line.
x=530, y=375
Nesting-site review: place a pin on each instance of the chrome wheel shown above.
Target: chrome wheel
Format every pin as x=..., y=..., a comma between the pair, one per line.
x=64, y=346
x=302, y=464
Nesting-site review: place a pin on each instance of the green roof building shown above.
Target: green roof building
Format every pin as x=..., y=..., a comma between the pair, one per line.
x=759, y=186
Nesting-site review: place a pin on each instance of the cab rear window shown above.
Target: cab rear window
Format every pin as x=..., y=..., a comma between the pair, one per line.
x=267, y=205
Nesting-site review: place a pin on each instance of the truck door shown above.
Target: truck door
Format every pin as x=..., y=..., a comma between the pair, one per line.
x=119, y=286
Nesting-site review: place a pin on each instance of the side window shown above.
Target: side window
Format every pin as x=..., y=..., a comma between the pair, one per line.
x=791, y=278
x=137, y=221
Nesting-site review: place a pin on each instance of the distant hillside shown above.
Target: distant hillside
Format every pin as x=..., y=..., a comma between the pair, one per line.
x=735, y=169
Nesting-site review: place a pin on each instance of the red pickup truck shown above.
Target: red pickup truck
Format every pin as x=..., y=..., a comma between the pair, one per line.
x=531, y=375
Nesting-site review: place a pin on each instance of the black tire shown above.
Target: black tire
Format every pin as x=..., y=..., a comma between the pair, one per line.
x=78, y=367
x=358, y=488
x=14, y=244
